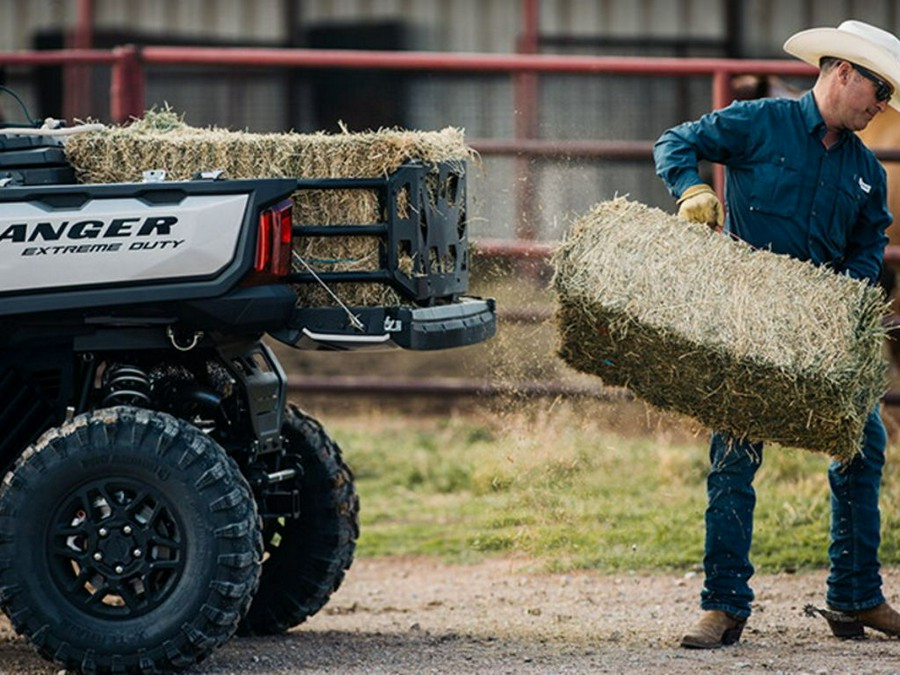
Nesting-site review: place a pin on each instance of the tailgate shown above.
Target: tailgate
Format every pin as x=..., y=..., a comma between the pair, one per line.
x=80, y=246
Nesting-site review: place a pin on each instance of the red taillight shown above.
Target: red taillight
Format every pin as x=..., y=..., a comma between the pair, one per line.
x=281, y=245
x=263, y=242
x=273, y=240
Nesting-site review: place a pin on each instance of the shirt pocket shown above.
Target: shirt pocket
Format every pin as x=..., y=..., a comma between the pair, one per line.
x=776, y=188
x=849, y=203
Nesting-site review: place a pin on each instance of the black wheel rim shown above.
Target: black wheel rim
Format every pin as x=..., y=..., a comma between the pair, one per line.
x=116, y=548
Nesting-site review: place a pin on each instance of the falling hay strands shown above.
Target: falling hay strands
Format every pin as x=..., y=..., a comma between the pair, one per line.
x=162, y=140
x=757, y=344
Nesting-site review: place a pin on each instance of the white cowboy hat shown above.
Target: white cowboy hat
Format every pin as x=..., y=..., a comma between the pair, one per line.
x=854, y=41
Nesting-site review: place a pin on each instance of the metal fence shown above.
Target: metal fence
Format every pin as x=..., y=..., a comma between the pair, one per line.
x=127, y=68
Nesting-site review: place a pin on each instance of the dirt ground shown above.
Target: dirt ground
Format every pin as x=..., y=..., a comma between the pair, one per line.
x=419, y=616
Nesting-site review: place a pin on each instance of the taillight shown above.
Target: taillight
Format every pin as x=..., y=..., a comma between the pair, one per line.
x=273, y=240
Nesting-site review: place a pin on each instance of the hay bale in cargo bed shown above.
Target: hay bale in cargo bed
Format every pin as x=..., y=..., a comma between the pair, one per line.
x=161, y=140
x=749, y=342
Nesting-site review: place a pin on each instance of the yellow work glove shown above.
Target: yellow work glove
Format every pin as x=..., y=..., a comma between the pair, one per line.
x=700, y=204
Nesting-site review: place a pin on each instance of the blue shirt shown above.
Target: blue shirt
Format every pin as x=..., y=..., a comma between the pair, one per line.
x=785, y=191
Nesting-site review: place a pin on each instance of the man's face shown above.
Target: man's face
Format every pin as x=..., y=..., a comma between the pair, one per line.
x=860, y=102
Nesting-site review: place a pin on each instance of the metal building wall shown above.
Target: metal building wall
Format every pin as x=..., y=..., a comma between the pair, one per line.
x=21, y=19
x=449, y=25
x=570, y=107
x=257, y=20
x=767, y=24
x=239, y=20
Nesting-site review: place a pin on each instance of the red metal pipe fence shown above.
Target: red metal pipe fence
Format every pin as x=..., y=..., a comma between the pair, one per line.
x=128, y=58
x=127, y=82
x=127, y=93
x=128, y=62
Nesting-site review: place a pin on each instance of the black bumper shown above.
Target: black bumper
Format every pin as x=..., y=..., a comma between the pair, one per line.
x=458, y=324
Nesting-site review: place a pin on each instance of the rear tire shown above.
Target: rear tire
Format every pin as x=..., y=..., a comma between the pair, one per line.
x=129, y=543
x=306, y=557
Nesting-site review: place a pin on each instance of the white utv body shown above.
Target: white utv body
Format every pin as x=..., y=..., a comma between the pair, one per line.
x=159, y=492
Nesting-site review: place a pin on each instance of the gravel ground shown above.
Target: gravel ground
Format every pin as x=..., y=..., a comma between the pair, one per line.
x=419, y=616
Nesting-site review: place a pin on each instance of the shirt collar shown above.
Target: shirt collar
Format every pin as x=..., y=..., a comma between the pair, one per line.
x=812, y=118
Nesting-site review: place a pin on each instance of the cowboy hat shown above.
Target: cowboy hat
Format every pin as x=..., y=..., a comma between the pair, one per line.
x=854, y=41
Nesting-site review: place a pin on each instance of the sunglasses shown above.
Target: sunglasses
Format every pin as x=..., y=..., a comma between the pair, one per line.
x=883, y=91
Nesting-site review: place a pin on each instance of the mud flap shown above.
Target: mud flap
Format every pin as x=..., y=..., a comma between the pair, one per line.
x=264, y=384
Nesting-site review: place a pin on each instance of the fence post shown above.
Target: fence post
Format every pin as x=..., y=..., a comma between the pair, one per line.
x=126, y=89
x=526, y=101
x=722, y=93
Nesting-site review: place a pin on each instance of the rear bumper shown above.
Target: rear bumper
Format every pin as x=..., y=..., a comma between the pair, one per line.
x=465, y=322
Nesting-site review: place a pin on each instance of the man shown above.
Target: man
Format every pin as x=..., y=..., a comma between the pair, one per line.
x=798, y=182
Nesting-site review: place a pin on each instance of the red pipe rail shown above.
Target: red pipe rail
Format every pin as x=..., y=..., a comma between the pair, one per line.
x=60, y=57
x=129, y=56
x=442, y=387
x=519, y=249
x=127, y=81
x=465, y=61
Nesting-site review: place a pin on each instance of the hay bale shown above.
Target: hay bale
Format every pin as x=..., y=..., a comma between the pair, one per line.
x=162, y=140
x=760, y=345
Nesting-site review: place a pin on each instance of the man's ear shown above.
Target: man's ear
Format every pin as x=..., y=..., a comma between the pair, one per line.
x=845, y=70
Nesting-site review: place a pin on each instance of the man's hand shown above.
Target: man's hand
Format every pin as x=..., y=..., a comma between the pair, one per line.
x=700, y=204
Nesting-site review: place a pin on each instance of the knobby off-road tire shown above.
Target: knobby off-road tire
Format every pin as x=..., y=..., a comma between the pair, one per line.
x=306, y=557
x=129, y=543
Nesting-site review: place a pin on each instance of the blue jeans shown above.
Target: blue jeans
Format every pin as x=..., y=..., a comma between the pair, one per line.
x=854, y=582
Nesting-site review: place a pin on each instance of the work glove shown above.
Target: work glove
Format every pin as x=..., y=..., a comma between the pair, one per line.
x=700, y=204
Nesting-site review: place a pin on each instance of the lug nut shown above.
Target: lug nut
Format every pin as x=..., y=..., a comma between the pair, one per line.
x=103, y=532
x=119, y=569
x=98, y=556
x=127, y=529
x=137, y=553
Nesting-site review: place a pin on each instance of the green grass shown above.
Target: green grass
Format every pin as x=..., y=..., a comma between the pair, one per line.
x=563, y=486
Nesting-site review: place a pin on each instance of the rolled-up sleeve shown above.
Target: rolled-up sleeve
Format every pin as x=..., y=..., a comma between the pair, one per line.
x=718, y=136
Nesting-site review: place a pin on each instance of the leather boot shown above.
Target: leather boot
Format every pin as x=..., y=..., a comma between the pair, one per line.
x=715, y=629
x=882, y=618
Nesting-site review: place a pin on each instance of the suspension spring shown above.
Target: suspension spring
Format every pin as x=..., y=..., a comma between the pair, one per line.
x=126, y=385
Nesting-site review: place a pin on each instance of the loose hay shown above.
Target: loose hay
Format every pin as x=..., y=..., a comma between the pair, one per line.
x=161, y=140
x=756, y=344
